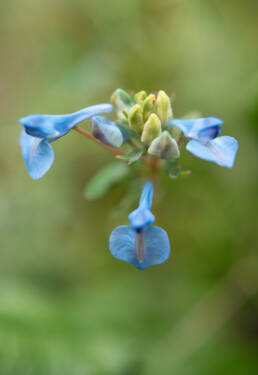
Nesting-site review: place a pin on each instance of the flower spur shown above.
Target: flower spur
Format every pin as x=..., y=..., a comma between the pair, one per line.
x=140, y=244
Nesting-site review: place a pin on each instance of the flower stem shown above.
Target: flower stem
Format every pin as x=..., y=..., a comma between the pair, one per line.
x=154, y=164
x=87, y=134
x=180, y=140
x=114, y=150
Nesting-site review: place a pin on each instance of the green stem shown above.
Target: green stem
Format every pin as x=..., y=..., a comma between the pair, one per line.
x=180, y=140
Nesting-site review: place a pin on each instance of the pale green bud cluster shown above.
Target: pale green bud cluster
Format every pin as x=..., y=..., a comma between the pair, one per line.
x=147, y=116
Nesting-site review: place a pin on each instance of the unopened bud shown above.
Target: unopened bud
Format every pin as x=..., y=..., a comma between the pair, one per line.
x=135, y=118
x=122, y=101
x=139, y=97
x=163, y=107
x=106, y=131
x=148, y=106
x=151, y=129
x=165, y=147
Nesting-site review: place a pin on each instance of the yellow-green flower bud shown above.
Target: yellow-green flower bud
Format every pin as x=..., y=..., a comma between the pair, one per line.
x=148, y=106
x=135, y=118
x=164, y=146
x=163, y=107
x=140, y=96
x=122, y=101
x=151, y=130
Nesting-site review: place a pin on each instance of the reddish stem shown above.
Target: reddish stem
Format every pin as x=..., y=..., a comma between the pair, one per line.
x=87, y=134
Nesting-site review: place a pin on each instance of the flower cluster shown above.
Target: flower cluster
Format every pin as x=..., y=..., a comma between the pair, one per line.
x=144, y=131
x=147, y=116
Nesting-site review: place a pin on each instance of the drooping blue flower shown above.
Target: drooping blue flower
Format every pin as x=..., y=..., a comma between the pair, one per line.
x=141, y=244
x=204, y=142
x=40, y=130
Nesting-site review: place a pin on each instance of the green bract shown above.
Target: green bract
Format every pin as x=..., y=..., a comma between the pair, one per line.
x=122, y=101
x=164, y=147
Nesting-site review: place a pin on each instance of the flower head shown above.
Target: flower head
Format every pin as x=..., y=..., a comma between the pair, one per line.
x=204, y=142
x=141, y=244
x=40, y=130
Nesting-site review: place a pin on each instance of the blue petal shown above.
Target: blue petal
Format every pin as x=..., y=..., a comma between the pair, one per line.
x=184, y=125
x=122, y=245
x=209, y=133
x=204, y=128
x=107, y=131
x=52, y=127
x=221, y=150
x=37, y=153
x=142, y=216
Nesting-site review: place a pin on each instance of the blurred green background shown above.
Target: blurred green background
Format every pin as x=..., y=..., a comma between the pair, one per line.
x=67, y=306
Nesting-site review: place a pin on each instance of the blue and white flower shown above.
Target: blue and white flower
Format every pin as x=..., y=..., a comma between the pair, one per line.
x=204, y=141
x=141, y=244
x=40, y=130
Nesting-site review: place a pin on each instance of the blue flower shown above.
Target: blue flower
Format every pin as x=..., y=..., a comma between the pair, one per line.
x=204, y=142
x=40, y=130
x=141, y=244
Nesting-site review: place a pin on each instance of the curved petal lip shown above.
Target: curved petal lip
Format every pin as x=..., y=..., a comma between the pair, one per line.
x=221, y=150
x=37, y=154
x=122, y=245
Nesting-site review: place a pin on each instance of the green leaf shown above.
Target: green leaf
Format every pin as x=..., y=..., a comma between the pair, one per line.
x=105, y=179
x=131, y=158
